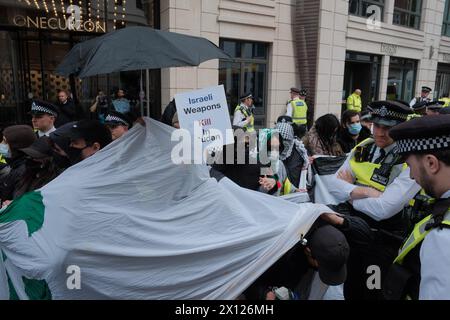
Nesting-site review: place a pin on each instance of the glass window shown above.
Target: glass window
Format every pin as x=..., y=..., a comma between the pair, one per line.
x=359, y=7
x=442, y=81
x=401, y=80
x=230, y=77
x=246, y=73
x=446, y=22
x=407, y=13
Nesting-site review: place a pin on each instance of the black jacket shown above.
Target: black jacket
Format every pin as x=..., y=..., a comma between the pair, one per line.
x=67, y=113
x=10, y=182
x=364, y=134
x=245, y=175
x=344, y=138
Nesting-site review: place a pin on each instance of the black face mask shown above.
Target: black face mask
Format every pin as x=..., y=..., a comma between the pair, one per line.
x=74, y=155
x=34, y=165
x=61, y=162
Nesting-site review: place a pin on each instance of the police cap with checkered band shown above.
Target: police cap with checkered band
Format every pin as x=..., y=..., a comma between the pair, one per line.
x=117, y=118
x=423, y=134
x=39, y=107
x=388, y=113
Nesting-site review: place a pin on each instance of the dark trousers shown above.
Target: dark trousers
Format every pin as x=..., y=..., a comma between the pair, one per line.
x=381, y=253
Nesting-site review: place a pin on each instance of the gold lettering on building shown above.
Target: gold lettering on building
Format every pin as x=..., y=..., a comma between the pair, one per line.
x=57, y=24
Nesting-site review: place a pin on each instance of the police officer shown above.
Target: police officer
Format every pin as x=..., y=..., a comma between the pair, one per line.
x=354, y=101
x=419, y=110
x=423, y=96
x=43, y=116
x=377, y=185
x=446, y=100
x=243, y=114
x=118, y=123
x=297, y=109
x=424, y=258
x=434, y=107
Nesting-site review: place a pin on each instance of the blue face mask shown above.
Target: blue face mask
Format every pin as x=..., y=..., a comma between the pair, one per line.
x=4, y=150
x=354, y=129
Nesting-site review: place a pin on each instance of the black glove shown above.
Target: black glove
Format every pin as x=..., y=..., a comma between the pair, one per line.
x=357, y=231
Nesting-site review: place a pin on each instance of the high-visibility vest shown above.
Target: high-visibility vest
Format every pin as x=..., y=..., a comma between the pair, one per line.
x=446, y=101
x=418, y=235
x=287, y=187
x=2, y=160
x=364, y=171
x=354, y=102
x=299, y=111
x=249, y=127
x=413, y=116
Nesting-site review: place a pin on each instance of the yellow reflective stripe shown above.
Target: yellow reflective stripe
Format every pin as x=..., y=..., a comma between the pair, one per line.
x=299, y=113
x=249, y=126
x=414, y=239
x=287, y=187
x=363, y=171
x=417, y=236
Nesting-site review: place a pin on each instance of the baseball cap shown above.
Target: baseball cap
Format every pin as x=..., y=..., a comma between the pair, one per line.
x=41, y=148
x=331, y=250
x=91, y=131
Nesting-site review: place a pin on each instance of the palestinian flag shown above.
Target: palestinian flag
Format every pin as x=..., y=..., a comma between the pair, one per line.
x=127, y=223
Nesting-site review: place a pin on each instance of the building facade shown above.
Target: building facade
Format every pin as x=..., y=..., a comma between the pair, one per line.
x=386, y=48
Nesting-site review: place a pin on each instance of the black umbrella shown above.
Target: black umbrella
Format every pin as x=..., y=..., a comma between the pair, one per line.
x=137, y=48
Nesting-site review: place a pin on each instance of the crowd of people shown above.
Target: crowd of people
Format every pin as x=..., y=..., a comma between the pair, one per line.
x=393, y=171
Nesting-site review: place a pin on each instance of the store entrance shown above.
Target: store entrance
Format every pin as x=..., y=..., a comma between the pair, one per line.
x=28, y=61
x=362, y=71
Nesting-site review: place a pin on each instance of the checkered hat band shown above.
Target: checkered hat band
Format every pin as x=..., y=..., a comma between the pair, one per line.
x=389, y=114
x=38, y=108
x=434, y=143
x=110, y=118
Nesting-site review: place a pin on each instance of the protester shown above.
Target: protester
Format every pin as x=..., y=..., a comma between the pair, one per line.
x=87, y=137
x=321, y=139
x=15, y=137
x=4, y=154
x=40, y=168
x=60, y=140
x=269, y=145
x=43, y=117
x=293, y=154
x=169, y=113
x=323, y=251
x=244, y=168
x=349, y=131
x=175, y=121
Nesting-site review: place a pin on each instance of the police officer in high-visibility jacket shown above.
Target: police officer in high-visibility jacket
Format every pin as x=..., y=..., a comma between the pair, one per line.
x=421, y=269
x=374, y=184
x=446, y=101
x=297, y=109
x=423, y=96
x=244, y=115
x=354, y=101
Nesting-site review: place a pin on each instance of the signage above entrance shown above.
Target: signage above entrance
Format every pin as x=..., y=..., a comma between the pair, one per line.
x=71, y=23
x=389, y=49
